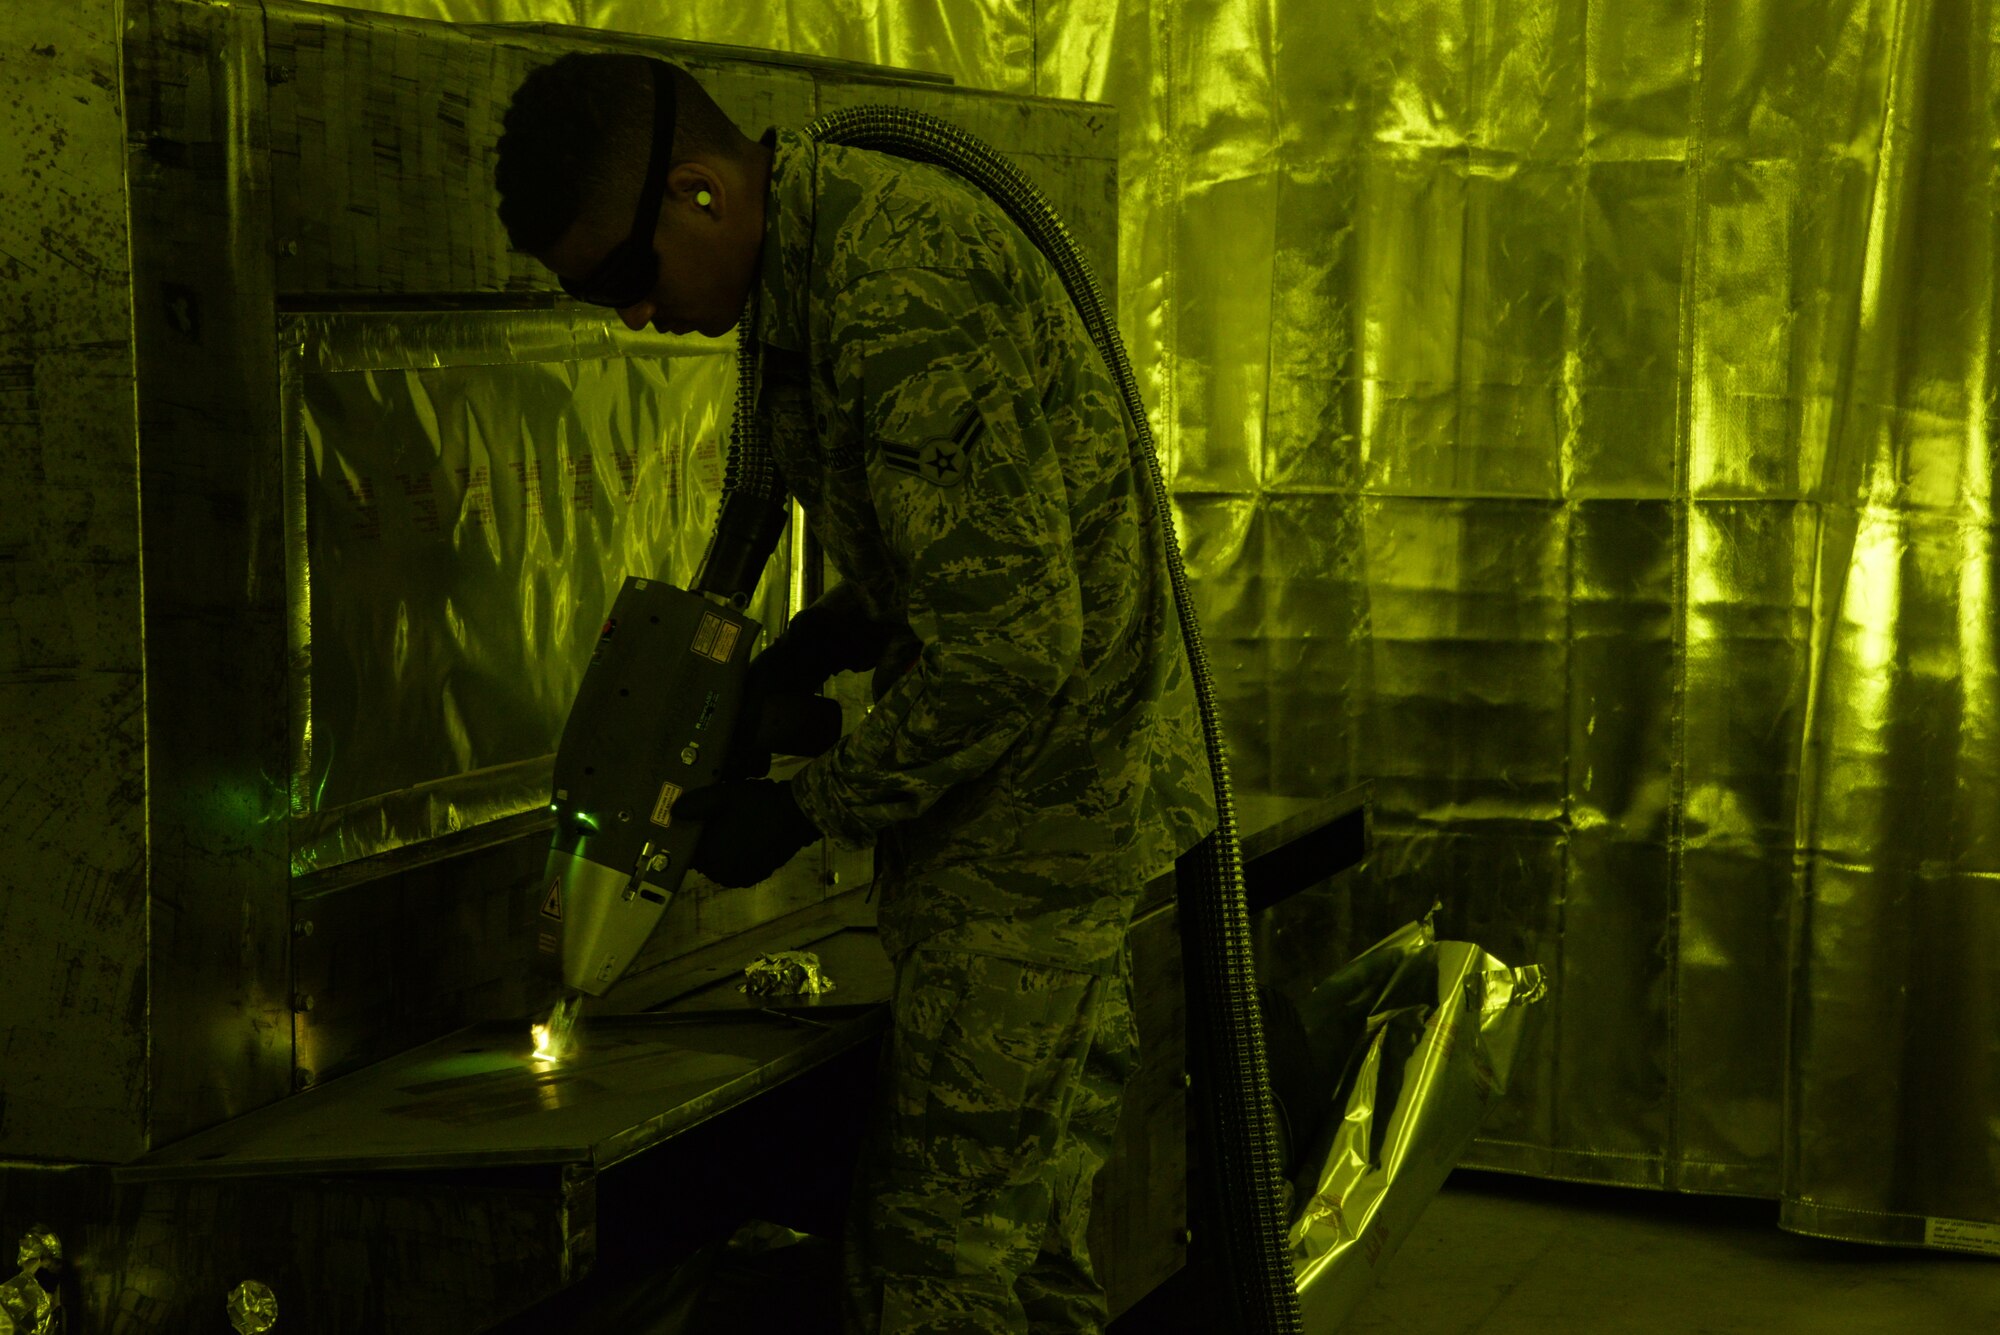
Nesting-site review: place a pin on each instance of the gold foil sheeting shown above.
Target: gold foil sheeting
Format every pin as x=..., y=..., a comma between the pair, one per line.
x=476, y=486
x=1444, y=1020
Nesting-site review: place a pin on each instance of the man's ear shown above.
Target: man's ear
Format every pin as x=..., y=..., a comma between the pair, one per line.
x=691, y=181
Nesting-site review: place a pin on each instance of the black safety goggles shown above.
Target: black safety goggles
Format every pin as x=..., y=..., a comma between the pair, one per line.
x=628, y=274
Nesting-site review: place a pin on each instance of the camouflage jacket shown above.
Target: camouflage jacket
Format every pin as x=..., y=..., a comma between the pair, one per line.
x=959, y=448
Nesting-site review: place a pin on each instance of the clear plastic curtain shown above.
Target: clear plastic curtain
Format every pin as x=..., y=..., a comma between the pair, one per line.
x=1579, y=418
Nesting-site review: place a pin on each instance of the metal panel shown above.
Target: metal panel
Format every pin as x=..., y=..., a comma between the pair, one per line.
x=215, y=576
x=396, y=195
x=479, y=1098
x=390, y=963
x=413, y=1254
x=382, y=135
x=984, y=43
x=72, y=668
x=386, y=963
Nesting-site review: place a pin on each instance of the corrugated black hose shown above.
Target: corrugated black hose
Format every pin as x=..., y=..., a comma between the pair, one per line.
x=1242, y=1169
x=755, y=504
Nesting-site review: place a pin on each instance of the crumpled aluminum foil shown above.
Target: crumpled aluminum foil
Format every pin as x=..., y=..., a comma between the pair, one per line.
x=26, y=1307
x=1443, y=1022
x=40, y=1247
x=786, y=973
x=253, y=1308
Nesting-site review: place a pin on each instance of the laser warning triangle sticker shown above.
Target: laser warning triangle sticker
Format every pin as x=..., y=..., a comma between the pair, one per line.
x=552, y=906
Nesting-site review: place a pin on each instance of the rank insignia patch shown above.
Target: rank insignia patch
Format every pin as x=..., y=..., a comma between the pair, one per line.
x=940, y=460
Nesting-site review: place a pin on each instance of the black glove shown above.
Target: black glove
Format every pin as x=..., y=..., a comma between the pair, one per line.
x=781, y=710
x=749, y=829
x=833, y=635
x=795, y=725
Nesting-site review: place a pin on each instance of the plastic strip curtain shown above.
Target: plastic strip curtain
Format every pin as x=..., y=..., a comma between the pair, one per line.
x=1579, y=413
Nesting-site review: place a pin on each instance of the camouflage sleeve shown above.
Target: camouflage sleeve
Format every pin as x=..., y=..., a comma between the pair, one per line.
x=969, y=495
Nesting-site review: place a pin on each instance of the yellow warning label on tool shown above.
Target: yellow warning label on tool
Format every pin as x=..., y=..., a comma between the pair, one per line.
x=663, y=810
x=705, y=633
x=552, y=906
x=716, y=638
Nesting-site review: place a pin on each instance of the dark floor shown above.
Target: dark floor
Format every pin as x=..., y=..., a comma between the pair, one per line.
x=1493, y=1254
x=1504, y=1255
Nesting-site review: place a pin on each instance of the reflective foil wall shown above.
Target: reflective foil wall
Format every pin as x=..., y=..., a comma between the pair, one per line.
x=1579, y=413
x=475, y=485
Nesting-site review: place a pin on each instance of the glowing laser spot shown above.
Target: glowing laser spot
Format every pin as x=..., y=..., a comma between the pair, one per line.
x=555, y=1037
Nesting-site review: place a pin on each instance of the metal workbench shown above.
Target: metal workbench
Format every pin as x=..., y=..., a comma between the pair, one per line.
x=664, y=1052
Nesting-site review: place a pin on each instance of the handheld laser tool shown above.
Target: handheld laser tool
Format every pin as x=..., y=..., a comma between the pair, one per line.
x=654, y=717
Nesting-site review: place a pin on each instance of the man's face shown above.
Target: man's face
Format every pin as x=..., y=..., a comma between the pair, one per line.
x=707, y=252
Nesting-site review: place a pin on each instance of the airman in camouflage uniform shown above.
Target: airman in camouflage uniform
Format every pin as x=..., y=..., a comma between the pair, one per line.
x=959, y=448
x=958, y=445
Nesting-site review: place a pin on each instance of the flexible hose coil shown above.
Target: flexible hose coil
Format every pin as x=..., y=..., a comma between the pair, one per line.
x=1244, y=1164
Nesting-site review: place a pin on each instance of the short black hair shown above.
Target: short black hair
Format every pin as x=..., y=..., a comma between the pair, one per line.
x=579, y=127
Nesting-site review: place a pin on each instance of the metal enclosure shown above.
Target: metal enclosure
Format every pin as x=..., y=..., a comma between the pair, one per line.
x=286, y=425
x=195, y=928
x=73, y=725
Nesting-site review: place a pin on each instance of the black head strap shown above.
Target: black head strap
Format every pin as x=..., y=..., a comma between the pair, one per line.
x=660, y=158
